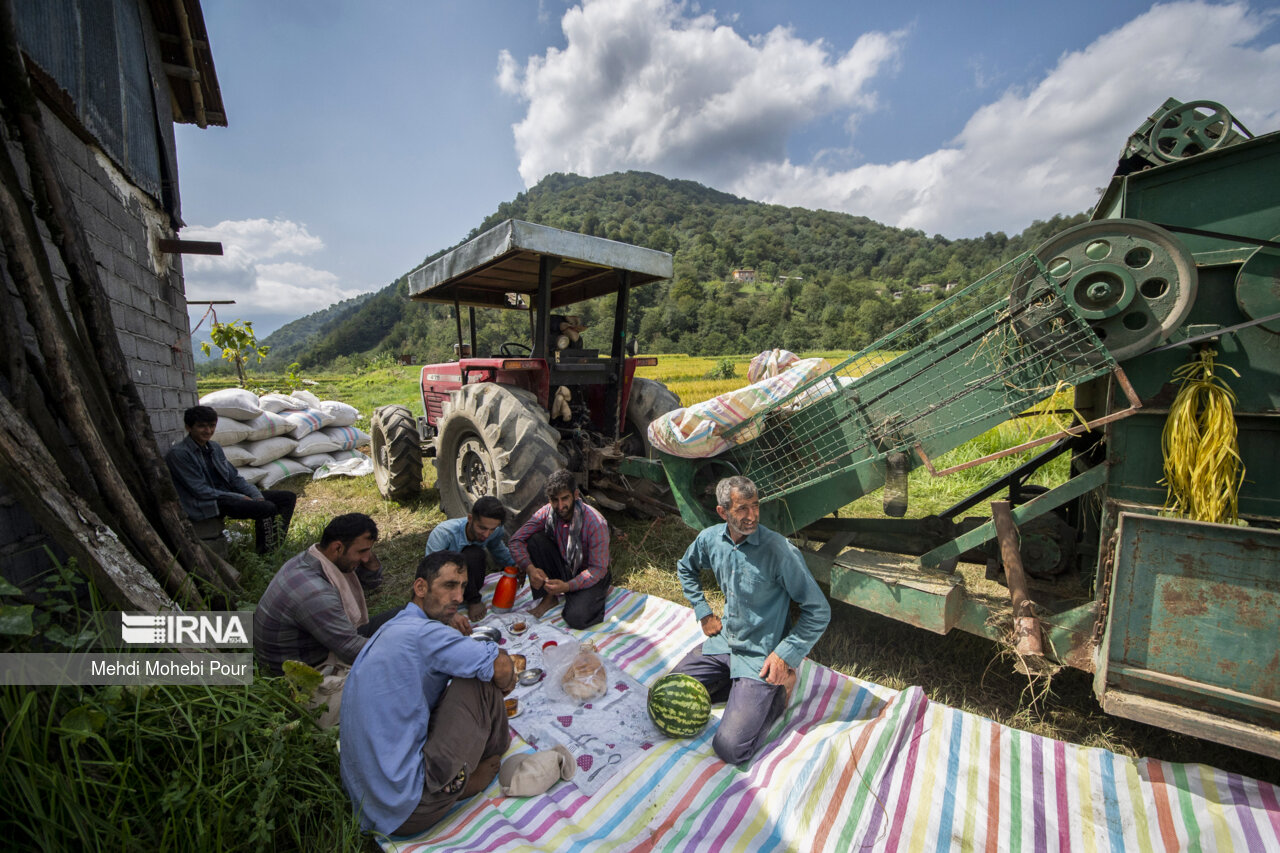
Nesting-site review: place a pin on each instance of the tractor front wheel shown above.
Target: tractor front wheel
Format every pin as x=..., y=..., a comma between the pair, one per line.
x=397, y=453
x=495, y=440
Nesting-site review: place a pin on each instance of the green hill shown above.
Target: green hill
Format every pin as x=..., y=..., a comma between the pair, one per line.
x=293, y=337
x=820, y=279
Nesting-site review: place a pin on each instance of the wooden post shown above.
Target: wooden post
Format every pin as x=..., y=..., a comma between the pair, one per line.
x=1026, y=627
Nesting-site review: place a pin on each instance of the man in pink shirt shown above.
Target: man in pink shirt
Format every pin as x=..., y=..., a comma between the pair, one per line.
x=564, y=549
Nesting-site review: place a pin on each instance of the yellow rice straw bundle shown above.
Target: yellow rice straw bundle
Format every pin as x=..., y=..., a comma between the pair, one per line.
x=1202, y=466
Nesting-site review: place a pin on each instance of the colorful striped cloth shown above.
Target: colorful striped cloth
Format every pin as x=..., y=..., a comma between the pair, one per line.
x=856, y=766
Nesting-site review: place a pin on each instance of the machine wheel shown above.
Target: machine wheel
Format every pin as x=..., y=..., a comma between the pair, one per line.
x=1184, y=131
x=495, y=440
x=397, y=453
x=1130, y=280
x=650, y=399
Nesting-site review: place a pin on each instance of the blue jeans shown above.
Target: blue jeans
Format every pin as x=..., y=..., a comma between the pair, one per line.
x=751, y=705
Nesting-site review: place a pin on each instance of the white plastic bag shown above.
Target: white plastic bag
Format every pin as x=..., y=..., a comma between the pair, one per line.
x=346, y=468
x=575, y=672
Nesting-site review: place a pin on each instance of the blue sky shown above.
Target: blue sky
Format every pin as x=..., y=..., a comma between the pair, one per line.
x=365, y=136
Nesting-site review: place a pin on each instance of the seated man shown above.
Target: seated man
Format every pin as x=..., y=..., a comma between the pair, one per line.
x=480, y=538
x=315, y=603
x=209, y=486
x=749, y=660
x=413, y=741
x=564, y=549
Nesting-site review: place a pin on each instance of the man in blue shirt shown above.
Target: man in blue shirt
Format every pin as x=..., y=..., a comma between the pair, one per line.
x=413, y=741
x=479, y=537
x=749, y=658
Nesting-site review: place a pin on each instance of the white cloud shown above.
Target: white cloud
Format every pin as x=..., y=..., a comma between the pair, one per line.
x=259, y=239
x=642, y=85
x=267, y=290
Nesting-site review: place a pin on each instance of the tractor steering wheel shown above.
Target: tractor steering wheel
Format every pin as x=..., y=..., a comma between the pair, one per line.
x=512, y=349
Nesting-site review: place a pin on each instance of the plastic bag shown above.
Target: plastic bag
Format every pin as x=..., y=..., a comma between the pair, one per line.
x=346, y=467
x=575, y=672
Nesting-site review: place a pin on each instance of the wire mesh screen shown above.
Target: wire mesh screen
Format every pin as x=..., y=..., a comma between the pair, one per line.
x=989, y=352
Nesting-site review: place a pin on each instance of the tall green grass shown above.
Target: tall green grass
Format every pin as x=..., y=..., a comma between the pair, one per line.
x=169, y=768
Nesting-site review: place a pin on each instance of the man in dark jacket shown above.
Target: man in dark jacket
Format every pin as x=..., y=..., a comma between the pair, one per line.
x=210, y=486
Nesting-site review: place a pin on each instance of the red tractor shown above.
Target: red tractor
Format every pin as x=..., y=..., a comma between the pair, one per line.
x=499, y=424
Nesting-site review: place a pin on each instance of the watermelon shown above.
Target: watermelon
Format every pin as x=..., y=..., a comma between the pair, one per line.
x=679, y=705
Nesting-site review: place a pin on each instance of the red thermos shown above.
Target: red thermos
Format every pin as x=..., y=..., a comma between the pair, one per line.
x=504, y=596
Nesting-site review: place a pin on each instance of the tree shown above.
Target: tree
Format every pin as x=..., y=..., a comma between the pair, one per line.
x=238, y=344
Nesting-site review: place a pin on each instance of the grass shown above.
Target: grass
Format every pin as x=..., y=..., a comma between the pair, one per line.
x=163, y=767
x=960, y=670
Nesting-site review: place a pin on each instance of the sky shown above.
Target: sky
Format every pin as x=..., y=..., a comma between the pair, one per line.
x=364, y=136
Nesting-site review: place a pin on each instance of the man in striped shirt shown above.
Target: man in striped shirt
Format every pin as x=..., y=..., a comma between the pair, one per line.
x=564, y=549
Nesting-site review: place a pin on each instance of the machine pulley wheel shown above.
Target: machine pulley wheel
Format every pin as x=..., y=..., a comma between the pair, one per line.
x=1185, y=131
x=1258, y=286
x=1131, y=281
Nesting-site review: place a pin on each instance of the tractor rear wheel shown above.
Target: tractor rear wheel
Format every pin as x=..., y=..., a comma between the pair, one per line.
x=397, y=453
x=650, y=399
x=495, y=440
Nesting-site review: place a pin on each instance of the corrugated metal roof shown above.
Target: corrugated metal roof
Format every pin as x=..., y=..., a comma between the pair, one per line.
x=505, y=259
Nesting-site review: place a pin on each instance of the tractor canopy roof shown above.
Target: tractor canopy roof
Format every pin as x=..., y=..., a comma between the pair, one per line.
x=506, y=259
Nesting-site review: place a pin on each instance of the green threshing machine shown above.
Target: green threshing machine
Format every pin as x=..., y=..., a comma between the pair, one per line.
x=1178, y=620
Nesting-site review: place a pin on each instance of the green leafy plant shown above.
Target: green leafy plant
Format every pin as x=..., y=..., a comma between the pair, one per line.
x=724, y=369
x=238, y=344
x=48, y=612
x=292, y=381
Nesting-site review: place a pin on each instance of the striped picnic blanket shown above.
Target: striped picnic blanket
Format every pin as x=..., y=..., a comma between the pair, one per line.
x=856, y=766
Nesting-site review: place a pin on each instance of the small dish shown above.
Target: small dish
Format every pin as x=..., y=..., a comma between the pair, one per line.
x=530, y=676
x=519, y=628
x=513, y=708
x=488, y=633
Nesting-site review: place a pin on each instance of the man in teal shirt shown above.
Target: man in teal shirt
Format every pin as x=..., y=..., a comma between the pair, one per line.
x=480, y=537
x=749, y=658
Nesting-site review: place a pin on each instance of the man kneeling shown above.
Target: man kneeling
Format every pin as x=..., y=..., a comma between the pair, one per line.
x=413, y=742
x=749, y=658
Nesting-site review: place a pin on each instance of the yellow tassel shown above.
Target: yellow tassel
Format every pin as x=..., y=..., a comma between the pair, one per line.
x=1202, y=466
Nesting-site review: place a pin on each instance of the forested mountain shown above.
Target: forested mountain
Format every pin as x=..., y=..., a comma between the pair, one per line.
x=293, y=337
x=823, y=280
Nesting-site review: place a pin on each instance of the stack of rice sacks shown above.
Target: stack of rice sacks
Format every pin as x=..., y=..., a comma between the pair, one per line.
x=275, y=436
